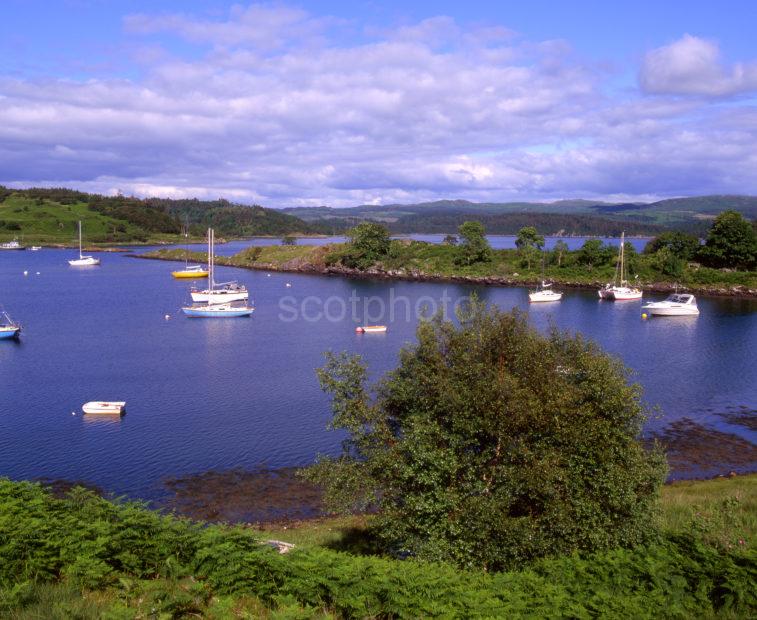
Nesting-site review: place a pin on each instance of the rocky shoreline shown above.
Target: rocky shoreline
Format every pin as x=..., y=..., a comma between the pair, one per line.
x=312, y=268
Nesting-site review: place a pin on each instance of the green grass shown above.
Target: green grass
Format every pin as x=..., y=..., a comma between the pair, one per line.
x=428, y=259
x=43, y=221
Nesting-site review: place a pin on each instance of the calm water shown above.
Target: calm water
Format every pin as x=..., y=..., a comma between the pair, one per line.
x=218, y=394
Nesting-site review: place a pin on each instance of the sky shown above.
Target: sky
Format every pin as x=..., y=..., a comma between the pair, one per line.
x=348, y=103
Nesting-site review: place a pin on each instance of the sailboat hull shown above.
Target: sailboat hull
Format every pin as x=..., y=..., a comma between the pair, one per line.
x=189, y=275
x=85, y=261
x=219, y=296
x=6, y=333
x=208, y=312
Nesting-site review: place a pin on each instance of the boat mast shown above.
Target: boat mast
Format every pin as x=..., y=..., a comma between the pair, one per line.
x=80, y=254
x=622, y=257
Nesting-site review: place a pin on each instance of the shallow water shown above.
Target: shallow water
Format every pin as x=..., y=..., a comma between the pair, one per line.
x=217, y=394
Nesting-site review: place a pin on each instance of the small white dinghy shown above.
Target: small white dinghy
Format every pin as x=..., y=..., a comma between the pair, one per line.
x=371, y=329
x=103, y=406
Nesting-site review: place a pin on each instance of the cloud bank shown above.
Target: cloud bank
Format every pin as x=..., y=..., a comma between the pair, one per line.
x=273, y=105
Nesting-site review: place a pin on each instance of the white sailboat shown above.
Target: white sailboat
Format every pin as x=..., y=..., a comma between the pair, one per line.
x=83, y=261
x=544, y=290
x=219, y=292
x=214, y=307
x=618, y=289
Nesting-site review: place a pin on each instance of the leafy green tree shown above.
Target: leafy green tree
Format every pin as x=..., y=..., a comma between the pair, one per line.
x=369, y=242
x=288, y=240
x=475, y=247
x=529, y=237
x=680, y=244
x=666, y=261
x=731, y=242
x=559, y=251
x=491, y=445
x=592, y=253
x=529, y=243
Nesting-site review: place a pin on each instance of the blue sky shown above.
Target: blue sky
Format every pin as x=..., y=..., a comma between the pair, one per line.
x=310, y=103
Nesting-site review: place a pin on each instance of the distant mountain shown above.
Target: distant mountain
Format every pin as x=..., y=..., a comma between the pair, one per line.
x=691, y=214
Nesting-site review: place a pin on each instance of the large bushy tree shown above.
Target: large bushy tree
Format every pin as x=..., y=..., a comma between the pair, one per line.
x=680, y=244
x=731, y=242
x=491, y=445
x=474, y=247
x=369, y=242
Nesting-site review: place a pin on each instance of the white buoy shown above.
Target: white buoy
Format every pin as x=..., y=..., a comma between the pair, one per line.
x=288, y=285
x=268, y=274
x=168, y=316
x=73, y=413
x=38, y=273
x=26, y=273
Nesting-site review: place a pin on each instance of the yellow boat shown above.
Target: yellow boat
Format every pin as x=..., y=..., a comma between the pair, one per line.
x=191, y=271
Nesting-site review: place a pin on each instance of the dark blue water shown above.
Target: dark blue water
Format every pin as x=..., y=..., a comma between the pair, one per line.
x=222, y=393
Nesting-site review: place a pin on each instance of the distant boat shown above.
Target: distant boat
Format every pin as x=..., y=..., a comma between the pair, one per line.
x=544, y=292
x=190, y=271
x=370, y=329
x=618, y=289
x=83, y=261
x=101, y=406
x=8, y=327
x=216, y=306
x=36, y=248
x=677, y=304
x=12, y=245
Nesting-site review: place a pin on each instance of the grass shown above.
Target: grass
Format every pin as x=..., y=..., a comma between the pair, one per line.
x=417, y=258
x=723, y=509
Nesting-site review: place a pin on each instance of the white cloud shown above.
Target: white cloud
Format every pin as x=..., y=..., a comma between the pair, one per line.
x=271, y=107
x=694, y=66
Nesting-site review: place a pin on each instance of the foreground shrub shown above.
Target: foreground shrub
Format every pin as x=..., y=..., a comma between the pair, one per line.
x=492, y=445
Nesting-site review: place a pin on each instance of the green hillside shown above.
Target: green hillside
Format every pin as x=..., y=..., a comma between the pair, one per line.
x=39, y=215
x=693, y=214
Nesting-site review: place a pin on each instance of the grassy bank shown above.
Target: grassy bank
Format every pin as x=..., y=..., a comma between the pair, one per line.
x=85, y=557
x=419, y=260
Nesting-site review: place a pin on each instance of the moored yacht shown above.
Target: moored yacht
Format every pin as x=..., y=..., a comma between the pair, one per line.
x=544, y=292
x=618, y=289
x=8, y=327
x=12, y=245
x=219, y=305
x=83, y=261
x=226, y=291
x=677, y=304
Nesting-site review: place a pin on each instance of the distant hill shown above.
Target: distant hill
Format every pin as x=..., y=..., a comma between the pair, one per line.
x=589, y=217
x=50, y=215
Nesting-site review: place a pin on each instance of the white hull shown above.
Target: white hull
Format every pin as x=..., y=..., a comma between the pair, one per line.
x=84, y=261
x=541, y=296
x=371, y=329
x=219, y=296
x=116, y=407
x=672, y=311
x=620, y=293
x=675, y=305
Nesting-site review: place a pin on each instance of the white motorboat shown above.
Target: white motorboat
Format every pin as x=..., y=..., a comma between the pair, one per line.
x=83, y=261
x=218, y=303
x=618, y=289
x=36, y=248
x=103, y=406
x=677, y=304
x=544, y=292
x=370, y=329
x=12, y=245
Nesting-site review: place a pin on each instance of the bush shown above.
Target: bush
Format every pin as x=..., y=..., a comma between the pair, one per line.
x=487, y=419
